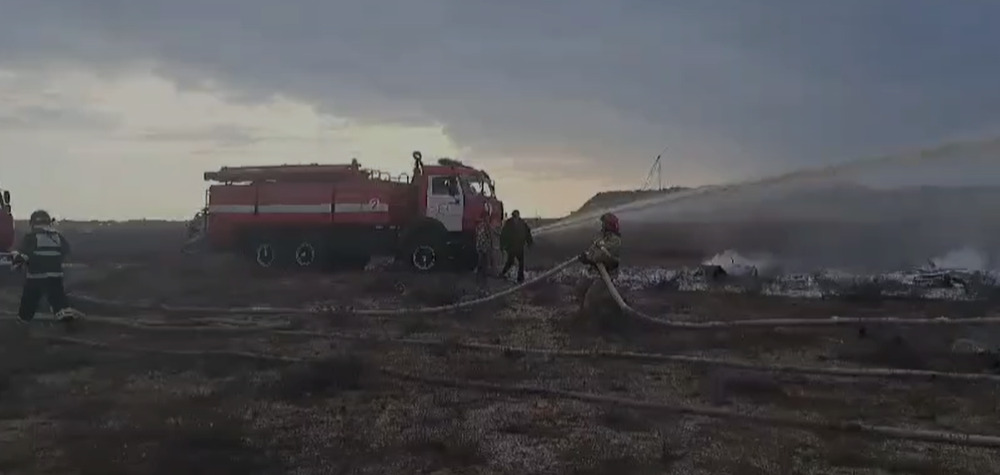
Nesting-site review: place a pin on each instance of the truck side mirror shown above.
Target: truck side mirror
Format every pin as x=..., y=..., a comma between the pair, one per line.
x=6, y=197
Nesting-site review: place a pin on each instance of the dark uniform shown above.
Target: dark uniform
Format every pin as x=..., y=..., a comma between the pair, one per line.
x=514, y=237
x=41, y=254
x=606, y=250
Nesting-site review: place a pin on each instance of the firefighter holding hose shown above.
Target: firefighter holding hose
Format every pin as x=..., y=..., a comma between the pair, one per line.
x=606, y=250
x=41, y=254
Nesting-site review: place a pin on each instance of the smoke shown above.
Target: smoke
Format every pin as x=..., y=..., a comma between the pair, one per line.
x=736, y=264
x=873, y=215
x=964, y=259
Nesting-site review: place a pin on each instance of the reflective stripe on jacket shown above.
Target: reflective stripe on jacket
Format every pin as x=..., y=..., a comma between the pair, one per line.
x=45, y=250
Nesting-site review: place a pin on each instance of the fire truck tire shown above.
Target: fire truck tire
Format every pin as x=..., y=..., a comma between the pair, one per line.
x=310, y=251
x=425, y=257
x=426, y=252
x=305, y=254
x=264, y=253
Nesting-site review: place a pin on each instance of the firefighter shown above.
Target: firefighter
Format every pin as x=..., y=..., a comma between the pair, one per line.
x=484, y=247
x=606, y=249
x=41, y=254
x=514, y=237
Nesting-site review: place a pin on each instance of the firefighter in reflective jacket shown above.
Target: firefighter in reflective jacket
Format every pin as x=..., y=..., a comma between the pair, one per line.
x=41, y=255
x=605, y=250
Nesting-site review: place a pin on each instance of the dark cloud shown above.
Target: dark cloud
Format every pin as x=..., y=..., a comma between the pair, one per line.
x=734, y=87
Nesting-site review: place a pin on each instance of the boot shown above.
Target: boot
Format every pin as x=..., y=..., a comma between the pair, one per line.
x=68, y=314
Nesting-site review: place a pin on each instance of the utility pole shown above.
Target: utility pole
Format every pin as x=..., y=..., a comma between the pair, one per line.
x=659, y=173
x=658, y=169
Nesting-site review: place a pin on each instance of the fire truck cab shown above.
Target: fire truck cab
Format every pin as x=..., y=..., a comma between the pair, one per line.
x=314, y=215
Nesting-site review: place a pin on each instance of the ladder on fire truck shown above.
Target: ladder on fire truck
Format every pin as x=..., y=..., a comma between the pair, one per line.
x=301, y=172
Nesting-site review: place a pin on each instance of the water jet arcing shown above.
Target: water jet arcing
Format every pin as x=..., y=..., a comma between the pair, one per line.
x=873, y=214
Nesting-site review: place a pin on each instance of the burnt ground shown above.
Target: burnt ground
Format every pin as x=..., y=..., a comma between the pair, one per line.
x=101, y=398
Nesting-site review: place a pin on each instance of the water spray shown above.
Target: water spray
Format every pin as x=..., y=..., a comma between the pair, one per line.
x=895, y=209
x=812, y=176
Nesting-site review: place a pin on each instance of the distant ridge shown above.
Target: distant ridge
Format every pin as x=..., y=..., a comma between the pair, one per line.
x=608, y=199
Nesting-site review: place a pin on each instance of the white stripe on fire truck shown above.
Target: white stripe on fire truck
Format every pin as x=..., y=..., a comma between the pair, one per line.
x=360, y=208
x=301, y=209
x=293, y=209
x=240, y=209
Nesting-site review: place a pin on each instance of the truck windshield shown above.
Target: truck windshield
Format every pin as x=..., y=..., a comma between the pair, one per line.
x=479, y=185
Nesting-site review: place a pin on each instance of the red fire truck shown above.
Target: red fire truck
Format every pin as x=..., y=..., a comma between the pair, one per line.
x=311, y=216
x=6, y=229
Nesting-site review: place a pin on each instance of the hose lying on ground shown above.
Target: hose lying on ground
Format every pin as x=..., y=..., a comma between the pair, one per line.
x=846, y=372
x=922, y=435
x=760, y=323
x=783, y=322
x=326, y=310
x=576, y=354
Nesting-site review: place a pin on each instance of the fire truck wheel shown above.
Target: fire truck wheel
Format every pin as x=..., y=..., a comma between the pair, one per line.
x=306, y=255
x=264, y=254
x=424, y=257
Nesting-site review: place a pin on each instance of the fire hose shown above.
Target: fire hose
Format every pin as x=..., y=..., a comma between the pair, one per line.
x=781, y=322
x=666, y=358
x=602, y=271
x=331, y=309
x=663, y=358
x=571, y=354
x=891, y=432
x=900, y=433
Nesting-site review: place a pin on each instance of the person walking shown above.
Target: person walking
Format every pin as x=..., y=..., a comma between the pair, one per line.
x=515, y=236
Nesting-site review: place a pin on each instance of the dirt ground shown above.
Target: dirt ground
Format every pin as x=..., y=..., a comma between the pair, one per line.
x=122, y=394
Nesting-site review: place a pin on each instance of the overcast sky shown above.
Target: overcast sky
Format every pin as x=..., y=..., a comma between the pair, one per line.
x=113, y=108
